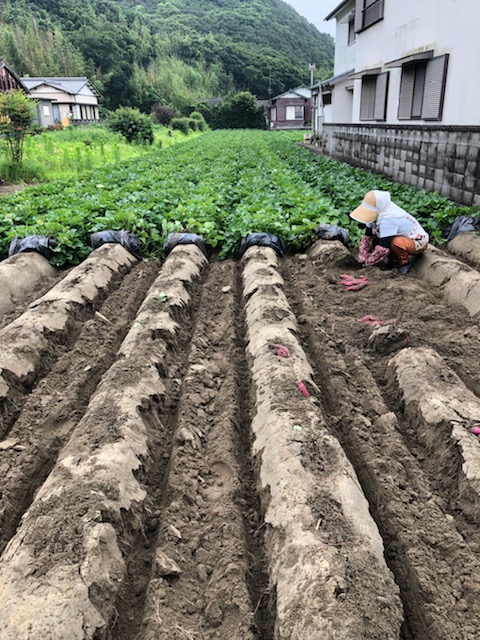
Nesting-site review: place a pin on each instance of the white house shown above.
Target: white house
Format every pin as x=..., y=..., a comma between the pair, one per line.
x=406, y=61
x=64, y=100
x=405, y=93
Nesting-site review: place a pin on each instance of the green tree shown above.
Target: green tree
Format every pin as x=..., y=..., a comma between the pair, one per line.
x=175, y=52
x=16, y=117
x=240, y=111
x=132, y=124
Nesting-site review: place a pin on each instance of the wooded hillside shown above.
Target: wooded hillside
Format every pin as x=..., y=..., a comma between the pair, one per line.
x=171, y=51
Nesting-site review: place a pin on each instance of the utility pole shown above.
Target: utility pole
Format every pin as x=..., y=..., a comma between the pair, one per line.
x=315, y=106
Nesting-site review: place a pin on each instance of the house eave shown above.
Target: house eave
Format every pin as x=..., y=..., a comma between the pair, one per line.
x=333, y=13
x=365, y=72
x=414, y=57
x=338, y=78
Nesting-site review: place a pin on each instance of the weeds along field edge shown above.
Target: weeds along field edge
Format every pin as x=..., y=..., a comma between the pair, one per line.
x=222, y=185
x=58, y=155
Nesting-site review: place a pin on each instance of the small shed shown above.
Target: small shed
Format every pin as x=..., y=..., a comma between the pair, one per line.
x=290, y=110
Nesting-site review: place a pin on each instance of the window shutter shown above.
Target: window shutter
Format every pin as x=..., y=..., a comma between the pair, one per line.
x=380, y=108
x=359, y=4
x=367, y=101
x=434, y=92
x=373, y=12
x=406, y=92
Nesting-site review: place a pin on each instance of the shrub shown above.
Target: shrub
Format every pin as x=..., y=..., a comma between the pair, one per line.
x=181, y=124
x=163, y=114
x=208, y=111
x=199, y=119
x=240, y=111
x=132, y=124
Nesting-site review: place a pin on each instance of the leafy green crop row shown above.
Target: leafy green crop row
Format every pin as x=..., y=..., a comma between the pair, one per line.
x=222, y=185
x=345, y=187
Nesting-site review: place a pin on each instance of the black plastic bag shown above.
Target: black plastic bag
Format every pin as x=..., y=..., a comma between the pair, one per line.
x=462, y=224
x=127, y=239
x=40, y=244
x=263, y=240
x=331, y=232
x=174, y=239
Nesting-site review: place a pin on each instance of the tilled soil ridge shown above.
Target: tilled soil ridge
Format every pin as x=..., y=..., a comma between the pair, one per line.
x=92, y=498
x=243, y=450
x=313, y=504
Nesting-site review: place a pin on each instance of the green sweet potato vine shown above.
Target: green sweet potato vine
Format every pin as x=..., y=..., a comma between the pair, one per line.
x=345, y=187
x=222, y=185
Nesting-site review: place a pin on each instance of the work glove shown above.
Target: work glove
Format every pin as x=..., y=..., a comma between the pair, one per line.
x=379, y=254
x=366, y=248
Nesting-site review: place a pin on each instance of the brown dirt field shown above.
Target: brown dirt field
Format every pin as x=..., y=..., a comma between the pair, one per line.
x=164, y=476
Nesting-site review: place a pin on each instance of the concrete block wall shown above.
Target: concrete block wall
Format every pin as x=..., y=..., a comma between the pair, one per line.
x=443, y=159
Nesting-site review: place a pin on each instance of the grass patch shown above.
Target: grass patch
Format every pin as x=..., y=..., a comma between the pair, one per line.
x=69, y=153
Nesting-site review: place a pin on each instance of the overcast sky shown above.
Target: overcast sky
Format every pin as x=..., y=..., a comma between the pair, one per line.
x=315, y=11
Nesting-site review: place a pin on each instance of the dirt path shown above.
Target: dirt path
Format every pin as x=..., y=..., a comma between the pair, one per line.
x=207, y=451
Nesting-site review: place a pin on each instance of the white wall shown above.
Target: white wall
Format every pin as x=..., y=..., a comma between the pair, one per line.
x=86, y=91
x=44, y=92
x=342, y=103
x=344, y=53
x=411, y=26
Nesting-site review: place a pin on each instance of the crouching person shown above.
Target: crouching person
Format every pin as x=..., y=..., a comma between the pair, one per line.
x=392, y=237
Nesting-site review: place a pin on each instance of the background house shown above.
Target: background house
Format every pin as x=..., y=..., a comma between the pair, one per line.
x=64, y=100
x=405, y=92
x=8, y=79
x=290, y=110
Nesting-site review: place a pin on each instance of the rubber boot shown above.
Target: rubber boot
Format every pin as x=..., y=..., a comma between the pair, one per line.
x=405, y=268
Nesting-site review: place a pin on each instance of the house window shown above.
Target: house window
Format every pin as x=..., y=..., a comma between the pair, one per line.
x=418, y=90
x=422, y=89
x=273, y=113
x=46, y=110
x=367, y=100
x=294, y=112
x=367, y=12
x=373, y=101
x=351, y=29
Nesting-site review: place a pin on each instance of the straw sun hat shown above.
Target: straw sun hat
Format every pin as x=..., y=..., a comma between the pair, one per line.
x=367, y=211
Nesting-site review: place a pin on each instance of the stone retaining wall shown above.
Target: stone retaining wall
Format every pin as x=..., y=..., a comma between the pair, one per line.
x=443, y=159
